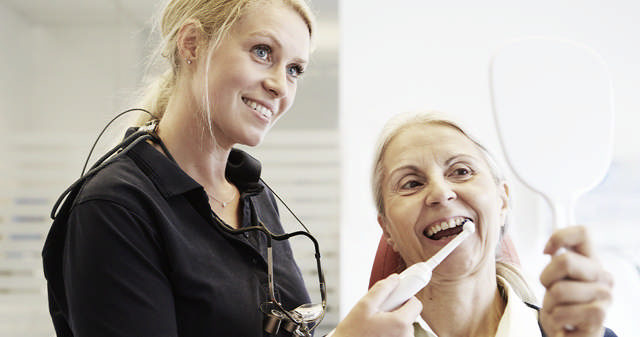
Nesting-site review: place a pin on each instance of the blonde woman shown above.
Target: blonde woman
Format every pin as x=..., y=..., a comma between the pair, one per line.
x=145, y=244
x=429, y=177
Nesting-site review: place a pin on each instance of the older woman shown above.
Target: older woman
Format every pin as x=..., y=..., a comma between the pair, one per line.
x=429, y=177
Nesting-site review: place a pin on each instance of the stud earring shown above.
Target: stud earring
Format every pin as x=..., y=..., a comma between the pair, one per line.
x=188, y=60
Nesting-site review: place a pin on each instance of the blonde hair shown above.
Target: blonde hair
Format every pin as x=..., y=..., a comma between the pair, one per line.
x=403, y=121
x=215, y=19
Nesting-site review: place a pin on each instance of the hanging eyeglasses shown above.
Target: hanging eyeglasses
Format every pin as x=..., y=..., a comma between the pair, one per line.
x=302, y=320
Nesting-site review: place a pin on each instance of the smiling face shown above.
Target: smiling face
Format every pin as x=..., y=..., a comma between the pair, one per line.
x=253, y=73
x=433, y=177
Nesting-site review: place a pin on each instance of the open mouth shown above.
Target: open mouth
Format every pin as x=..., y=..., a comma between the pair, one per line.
x=264, y=111
x=445, y=228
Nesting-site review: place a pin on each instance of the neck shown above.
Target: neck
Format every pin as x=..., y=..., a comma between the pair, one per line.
x=473, y=303
x=193, y=147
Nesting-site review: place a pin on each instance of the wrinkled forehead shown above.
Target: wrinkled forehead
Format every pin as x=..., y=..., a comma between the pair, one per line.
x=440, y=141
x=438, y=137
x=429, y=146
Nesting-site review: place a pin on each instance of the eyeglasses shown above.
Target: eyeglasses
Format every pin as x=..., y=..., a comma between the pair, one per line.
x=302, y=320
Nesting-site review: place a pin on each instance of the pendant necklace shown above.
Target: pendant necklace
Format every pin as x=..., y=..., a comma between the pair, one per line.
x=223, y=203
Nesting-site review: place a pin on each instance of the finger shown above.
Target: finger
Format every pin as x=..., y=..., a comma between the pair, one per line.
x=575, y=238
x=584, y=319
x=575, y=267
x=572, y=292
x=410, y=309
x=380, y=291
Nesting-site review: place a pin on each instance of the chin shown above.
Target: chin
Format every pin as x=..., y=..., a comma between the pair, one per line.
x=253, y=140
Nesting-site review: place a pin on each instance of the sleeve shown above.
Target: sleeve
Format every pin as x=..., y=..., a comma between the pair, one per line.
x=113, y=273
x=609, y=333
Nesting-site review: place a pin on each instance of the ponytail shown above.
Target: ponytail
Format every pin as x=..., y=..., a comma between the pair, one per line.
x=156, y=96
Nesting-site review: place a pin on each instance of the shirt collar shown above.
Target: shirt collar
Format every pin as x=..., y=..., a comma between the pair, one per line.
x=242, y=170
x=517, y=320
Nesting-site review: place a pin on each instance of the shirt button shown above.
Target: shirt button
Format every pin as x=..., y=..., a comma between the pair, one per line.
x=254, y=260
x=246, y=234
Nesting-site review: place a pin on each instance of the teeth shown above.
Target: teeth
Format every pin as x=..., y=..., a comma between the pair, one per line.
x=445, y=225
x=259, y=108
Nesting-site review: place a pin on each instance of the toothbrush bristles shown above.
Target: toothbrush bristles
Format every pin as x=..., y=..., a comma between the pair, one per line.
x=469, y=226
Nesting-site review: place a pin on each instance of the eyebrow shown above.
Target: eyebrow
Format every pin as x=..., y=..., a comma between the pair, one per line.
x=414, y=167
x=410, y=167
x=270, y=36
x=458, y=156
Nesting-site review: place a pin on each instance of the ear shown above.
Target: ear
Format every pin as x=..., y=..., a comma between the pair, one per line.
x=189, y=38
x=382, y=221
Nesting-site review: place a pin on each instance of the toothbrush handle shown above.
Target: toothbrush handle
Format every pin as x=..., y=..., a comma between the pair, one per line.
x=412, y=280
x=416, y=277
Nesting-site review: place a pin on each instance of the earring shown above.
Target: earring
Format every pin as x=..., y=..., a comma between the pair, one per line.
x=188, y=60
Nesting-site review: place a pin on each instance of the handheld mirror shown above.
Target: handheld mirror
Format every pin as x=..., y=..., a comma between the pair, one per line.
x=553, y=107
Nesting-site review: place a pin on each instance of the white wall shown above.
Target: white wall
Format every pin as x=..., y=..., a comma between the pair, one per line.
x=418, y=54
x=85, y=73
x=16, y=66
x=59, y=84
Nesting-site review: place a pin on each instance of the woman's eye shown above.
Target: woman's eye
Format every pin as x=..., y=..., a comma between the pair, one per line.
x=262, y=52
x=295, y=71
x=411, y=184
x=461, y=172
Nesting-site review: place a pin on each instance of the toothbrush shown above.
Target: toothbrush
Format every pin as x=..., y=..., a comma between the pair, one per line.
x=416, y=277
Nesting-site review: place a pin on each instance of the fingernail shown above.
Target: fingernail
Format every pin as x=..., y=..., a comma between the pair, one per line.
x=560, y=251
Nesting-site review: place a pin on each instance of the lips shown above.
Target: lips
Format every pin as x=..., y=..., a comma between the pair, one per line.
x=446, y=228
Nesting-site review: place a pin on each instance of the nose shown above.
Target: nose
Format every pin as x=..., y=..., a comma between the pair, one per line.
x=276, y=82
x=439, y=192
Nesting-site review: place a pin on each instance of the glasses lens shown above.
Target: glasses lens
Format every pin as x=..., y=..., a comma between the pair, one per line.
x=308, y=313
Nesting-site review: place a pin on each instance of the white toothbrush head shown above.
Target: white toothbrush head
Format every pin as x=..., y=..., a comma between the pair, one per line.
x=469, y=226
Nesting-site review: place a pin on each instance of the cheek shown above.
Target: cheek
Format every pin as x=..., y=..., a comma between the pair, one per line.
x=404, y=216
x=287, y=102
x=492, y=218
x=230, y=75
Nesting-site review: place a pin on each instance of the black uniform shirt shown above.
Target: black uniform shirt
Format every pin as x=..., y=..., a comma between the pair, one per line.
x=139, y=254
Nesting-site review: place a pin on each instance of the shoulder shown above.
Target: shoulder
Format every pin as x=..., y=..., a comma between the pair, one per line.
x=140, y=173
x=121, y=182
x=609, y=333
x=137, y=182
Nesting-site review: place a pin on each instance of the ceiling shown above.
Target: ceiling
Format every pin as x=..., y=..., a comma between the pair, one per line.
x=140, y=13
x=48, y=12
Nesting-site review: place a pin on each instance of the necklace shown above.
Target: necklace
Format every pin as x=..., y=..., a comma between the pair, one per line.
x=223, y=203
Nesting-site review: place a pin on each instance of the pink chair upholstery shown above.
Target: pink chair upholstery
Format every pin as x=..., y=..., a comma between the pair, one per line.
x=387, y=261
